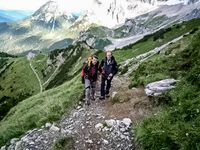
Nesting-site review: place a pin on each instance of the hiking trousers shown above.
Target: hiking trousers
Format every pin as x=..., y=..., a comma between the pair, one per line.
x=90, y=88
x=105, y=86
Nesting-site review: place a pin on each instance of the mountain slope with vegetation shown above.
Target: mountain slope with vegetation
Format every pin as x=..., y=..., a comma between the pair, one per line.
x=39, y=109
x=62, y=89
x=15, y=83
x=177, y=125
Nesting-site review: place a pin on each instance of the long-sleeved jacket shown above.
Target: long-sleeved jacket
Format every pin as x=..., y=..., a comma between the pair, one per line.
x=91, y=72
x=106, y=67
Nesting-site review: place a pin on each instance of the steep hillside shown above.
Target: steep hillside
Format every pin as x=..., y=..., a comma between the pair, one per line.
x=59, y=70
x=15, y=85
x=177, y=125
x=37, y=110
x=45, y=70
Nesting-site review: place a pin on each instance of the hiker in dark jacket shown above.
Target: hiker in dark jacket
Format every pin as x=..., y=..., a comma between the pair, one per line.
x=108, y=68
x=90, y=72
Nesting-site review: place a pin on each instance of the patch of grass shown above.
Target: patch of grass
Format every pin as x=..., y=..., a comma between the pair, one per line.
x=64, y=143
x=101, y=43
x=39, y=62
x=99, y=31
x=124, y=70
x=122, y=96
x=3, y=55
x=177, y=126
x=39, y=109
x=115, y=100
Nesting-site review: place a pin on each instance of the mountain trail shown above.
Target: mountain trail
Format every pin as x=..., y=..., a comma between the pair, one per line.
x=38, y=78
x=104, y=125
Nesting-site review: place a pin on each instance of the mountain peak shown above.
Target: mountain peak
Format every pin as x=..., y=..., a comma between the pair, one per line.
x=52, y=16
x=49, y=11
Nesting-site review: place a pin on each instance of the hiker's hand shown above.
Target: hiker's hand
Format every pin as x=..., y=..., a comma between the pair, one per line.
x=86, y=76
x=110, y=75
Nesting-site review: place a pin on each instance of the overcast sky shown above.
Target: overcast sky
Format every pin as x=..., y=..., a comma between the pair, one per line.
x=69, y=5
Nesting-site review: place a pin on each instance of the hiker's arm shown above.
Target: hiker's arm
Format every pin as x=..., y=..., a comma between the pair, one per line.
x=100, y=66
x=115, y=68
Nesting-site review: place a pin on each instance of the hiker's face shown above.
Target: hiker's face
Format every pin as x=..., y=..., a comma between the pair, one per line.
x=90, y=59
x=94, y=61
x=108, y=55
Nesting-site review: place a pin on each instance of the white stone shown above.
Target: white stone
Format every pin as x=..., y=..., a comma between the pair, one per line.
x=31, y=143
x=76, y=114
x=3, y=148
x=99, y=126
x=79, y=107
x=14, y=140
x=48, y=125
x=17, y=145
x=126, y=133
x=89, y=141
x=82, y=109
x=105, y=129
x=68, y=131
x=100, y=117
x=110, y=123
x=127, y=122
x=158, y=87
x=63, y=131
x=113, y=94
x=122, y=129
x=105, y=141
x=54, y=128
x=89, y=118
x=123, y=137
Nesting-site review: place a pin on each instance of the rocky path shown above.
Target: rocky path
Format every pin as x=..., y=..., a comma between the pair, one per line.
x=100, y=126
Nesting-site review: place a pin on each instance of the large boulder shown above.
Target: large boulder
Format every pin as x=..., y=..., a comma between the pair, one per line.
x=159, y=87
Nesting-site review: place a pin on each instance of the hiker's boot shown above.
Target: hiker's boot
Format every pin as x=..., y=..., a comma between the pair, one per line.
x=87, y=103
x=107, y=95
x=102, y=97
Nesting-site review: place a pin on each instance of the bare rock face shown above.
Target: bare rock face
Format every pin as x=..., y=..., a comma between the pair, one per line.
x=159, y=87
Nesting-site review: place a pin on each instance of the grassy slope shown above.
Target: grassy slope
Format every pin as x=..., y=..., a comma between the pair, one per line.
x=50, y=104
x=39, y=109
x=16, y=84
x=75, y=55
x=177, y=125
x=165, y=131
x=144, y=75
